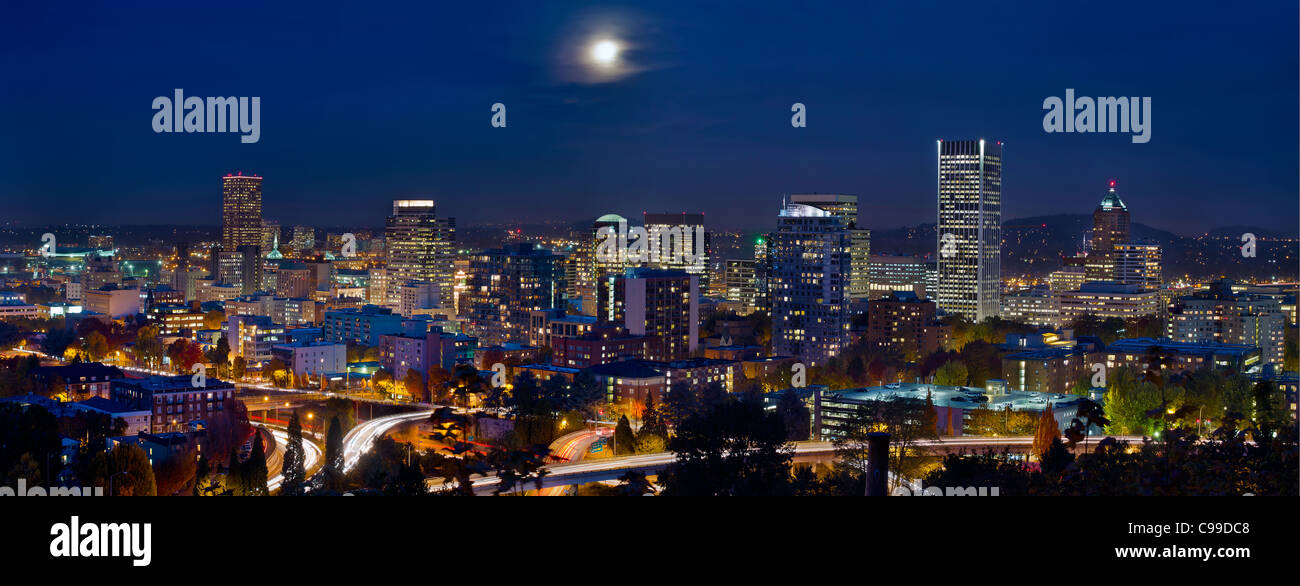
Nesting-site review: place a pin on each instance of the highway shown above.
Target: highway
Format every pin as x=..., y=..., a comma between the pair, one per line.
x=312, y=460
x=612, y=468
x=571, y=448
x=359, y=439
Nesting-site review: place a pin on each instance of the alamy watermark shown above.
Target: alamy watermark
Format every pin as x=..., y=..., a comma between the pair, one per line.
x=919, y=490
x=1108, y=114
x=23, y=490
x=211, y=114
x=677, y=245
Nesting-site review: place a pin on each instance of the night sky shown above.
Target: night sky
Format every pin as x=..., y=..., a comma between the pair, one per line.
x=363, y=103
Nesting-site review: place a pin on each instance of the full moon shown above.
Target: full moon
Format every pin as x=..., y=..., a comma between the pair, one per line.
x=604, y=52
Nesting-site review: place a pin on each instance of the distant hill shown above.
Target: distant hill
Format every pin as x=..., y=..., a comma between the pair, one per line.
x=1034, y=246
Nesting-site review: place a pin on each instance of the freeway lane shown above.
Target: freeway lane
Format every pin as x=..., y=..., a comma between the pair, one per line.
x=360, y=438
x=571, y=448
x=612, y=468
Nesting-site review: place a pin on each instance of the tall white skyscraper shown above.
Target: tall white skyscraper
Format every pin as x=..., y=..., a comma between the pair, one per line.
x=969, y=183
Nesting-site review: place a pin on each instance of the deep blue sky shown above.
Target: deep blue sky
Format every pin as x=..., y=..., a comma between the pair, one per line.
x=363, y=103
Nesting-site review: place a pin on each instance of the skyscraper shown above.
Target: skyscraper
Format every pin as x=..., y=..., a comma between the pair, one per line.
x=419, y=248
x=1110, y=226
x=505, y=285
x=810, y=266
x=660, y=304
x=241, y=211
x=846, y=207
x=1137, y=263
x=678, y=242
x=970, y=227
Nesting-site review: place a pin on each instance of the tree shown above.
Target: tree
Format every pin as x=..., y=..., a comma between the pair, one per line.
x=219, y=355
x=953, y=373
x=148, y=348
x=1048, y=430
x=334, y=455
x=255, y=471
x=239, y=368
x=95, y=346
x=437, y=382
x=212, y=320
x=293, y=469
x=413, y=383
x=624, y=440
x=798, y=422
x=177, y=474
x=905, y=421
x=731, y=447
x=125, y=471
x=1088, y=415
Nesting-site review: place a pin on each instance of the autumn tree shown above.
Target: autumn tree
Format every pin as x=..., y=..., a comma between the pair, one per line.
x=1048, y=430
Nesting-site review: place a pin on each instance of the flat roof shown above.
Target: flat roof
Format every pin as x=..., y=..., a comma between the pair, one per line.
x=960, y=397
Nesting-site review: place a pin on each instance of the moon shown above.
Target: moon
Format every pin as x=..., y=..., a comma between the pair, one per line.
x=605, y=52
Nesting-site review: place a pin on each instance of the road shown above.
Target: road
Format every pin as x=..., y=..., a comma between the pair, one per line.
x=311, y=462
x=571, y=448
x=612, y=468
x=359, y=439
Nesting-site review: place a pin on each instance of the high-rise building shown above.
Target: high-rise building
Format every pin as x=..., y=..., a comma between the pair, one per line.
x=678, y=242
x=1137, y=264
x=304, y=238
x=810, y=255
x=742, y=285
x=846, y=207
x=241, y=211
x=1110, y=226
x=969, y=242
x=504, y=286
x=420, y=248
x=242, y=268
x=663, y=305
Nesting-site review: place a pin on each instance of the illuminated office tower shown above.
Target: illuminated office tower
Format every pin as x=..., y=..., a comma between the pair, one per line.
x=661, y=304
x=241, y=268
x=593, y=265
x=420, y=248
x=969, y=239
x=1110, y=226
x=678, y=242
x=1137, y=264
x=810, y=256
x=742, y=285
x=241, y=211
x=304, y=238
x=846, y=207
x=504, y=286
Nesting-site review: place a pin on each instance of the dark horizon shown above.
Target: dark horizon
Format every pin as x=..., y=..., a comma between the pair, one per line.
x=361, y=108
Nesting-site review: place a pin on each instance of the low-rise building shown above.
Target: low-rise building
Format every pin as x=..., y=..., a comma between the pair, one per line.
x=77, y=382
x=175, y=404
